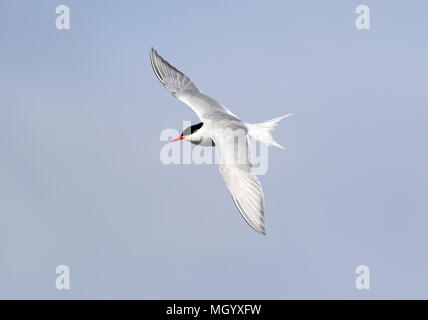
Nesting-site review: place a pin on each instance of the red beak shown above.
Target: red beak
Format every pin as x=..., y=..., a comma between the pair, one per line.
x=177, y=139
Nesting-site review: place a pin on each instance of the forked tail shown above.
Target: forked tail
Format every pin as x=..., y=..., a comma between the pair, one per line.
x=263, y=131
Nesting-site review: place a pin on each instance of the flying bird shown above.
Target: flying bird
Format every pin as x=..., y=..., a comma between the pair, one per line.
x=221, y=128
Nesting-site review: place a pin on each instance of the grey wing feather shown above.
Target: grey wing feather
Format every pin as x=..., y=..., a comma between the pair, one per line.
x=247, y=194
x=185, y=90
x=174, y=80
x=244, y=186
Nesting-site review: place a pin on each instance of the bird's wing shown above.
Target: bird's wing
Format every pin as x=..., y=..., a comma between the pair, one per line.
x=184, y=89
x=245, y=188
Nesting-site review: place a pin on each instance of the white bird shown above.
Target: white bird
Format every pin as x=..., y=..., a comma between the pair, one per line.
x=221, y=128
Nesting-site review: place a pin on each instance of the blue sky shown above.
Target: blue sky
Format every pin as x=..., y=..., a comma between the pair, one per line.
x=81, y=182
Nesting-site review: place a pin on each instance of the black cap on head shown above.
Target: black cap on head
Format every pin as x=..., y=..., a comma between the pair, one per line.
x=192, y=129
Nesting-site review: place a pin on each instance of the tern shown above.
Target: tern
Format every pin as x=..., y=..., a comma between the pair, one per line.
x=221, y=128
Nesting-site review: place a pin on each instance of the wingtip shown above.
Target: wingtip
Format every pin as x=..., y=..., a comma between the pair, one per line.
x=260, y=229
x=153, y=52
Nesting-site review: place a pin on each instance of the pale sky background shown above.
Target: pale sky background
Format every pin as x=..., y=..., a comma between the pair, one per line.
x=81, y=182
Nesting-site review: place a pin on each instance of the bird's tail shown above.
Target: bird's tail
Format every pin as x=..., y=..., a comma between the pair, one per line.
x=263, y=131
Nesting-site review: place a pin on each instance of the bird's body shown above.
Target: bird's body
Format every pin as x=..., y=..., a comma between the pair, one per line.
x=221, y=128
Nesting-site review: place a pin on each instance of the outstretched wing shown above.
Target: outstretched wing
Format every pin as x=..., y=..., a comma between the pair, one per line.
x=184, y=89
x=174, y=80
x=244, y=186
